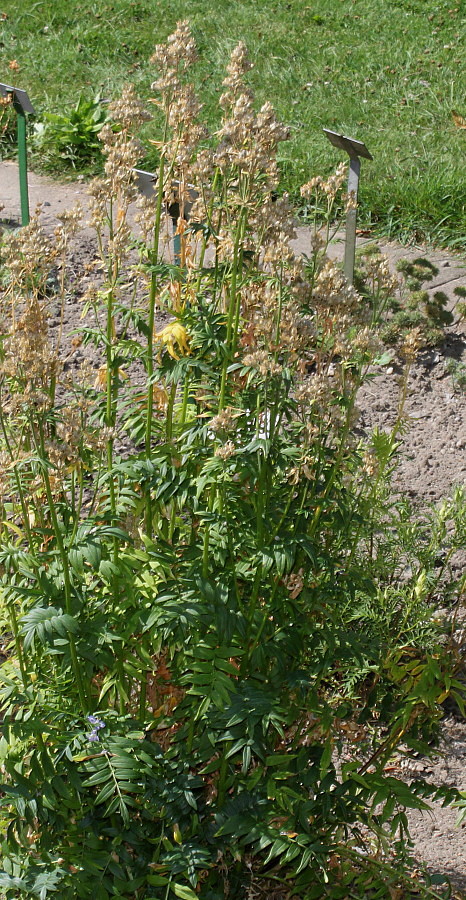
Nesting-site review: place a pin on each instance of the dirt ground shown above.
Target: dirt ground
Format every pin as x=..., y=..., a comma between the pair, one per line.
x=432, y=462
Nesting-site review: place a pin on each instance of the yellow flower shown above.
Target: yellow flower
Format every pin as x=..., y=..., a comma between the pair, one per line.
x=174, y=334
x=100, y=382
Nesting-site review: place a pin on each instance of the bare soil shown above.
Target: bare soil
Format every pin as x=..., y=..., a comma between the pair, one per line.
x=432, y=462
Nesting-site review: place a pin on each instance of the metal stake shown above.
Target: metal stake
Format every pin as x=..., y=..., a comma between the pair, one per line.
x=354, y=149
x=146, y=182
x=23, y=164
x=22, y=105
x=351, y=217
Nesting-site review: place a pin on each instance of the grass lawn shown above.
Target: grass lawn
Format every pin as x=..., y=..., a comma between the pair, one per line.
x=388, y=72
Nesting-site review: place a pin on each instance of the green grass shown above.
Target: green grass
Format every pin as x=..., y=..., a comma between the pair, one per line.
x=385, y=71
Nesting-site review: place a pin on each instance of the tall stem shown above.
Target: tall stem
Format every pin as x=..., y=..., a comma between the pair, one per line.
x=19, y=488
x=17, y=638
x=110, y=414
x=150, y=338
x=66, y=575
x=336, y=467
x=233, y=312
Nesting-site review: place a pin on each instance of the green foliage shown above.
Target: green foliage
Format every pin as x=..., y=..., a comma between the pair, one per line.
x=457, y=370
x=220, y=622
x=403, y=310
x=71, y=138
x=7, y=127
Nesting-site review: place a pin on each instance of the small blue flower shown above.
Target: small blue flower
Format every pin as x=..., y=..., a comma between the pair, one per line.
x=96, y=722
x=93, y=736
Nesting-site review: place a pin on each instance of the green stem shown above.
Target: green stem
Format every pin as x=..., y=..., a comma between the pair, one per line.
x=152, y=305
x=172, y=522
x=18, y=645
x=150, y=339
x=279, y=313
x=222, y=776
x=111, y=392
x=336, y=466
x=112, y=380
x=190, y=739
x=205, y=549
x=19, y=488
x=184, y=404
x=209, y=222
x=371, y=498
x=251, y=614
x=233, y=312
x=170, y=408
x=121, y=691
x=77, y=506
x=67, y=584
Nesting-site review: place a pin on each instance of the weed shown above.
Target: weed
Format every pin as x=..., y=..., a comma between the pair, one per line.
x=400, y=305
x=457, y=370
x=71, y=139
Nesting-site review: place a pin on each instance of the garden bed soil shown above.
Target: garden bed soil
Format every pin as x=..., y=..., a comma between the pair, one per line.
x=432, y=462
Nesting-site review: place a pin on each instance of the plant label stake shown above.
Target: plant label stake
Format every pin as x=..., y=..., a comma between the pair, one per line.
x=22, y=105
x=146, y=184
x=354, y=149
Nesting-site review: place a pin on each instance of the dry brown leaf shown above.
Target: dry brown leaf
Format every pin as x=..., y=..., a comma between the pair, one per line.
x=459, y=121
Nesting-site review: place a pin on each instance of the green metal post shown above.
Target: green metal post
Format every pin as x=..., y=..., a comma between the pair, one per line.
x=23, y=164
x=176, y=244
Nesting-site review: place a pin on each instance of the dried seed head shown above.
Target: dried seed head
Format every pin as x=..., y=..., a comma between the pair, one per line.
x=180, y=49
x=29, y=251
x=226, y=450
x=99, y=193
x=71, y=219
x=411, y=345
x=129, y=111
x=329, y=186
x=30, y=362
x=123, y=155
x=224, y=422
x=237, y=67
x=263, y=363
x=370, y=464
x=295, y=583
